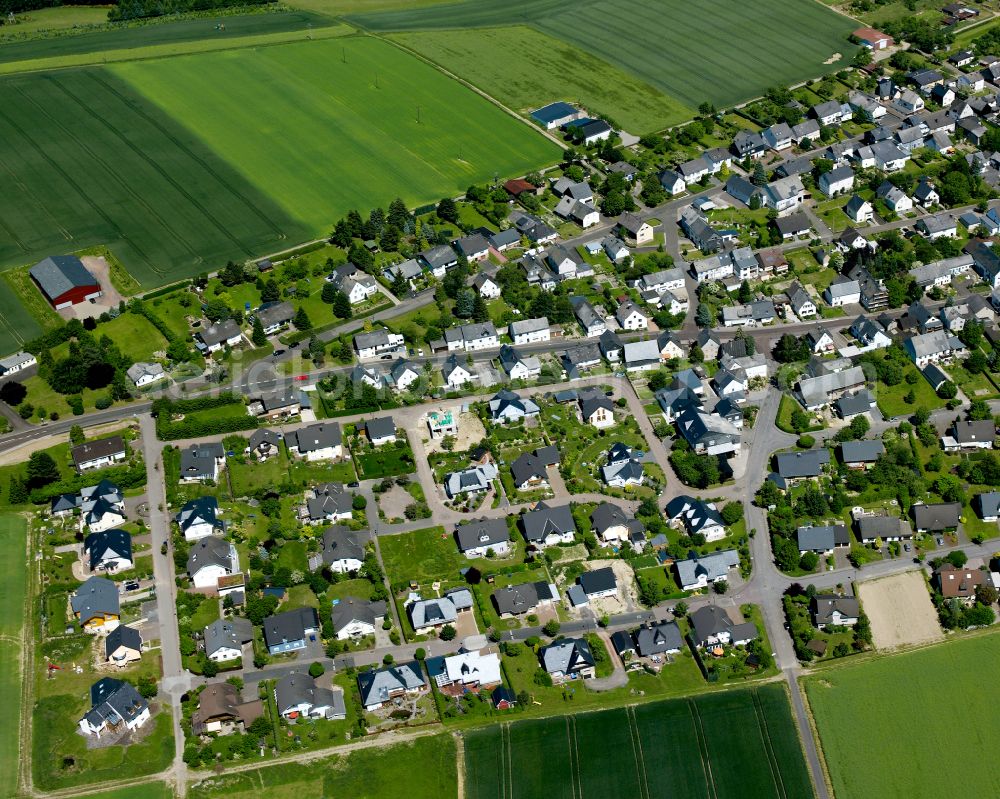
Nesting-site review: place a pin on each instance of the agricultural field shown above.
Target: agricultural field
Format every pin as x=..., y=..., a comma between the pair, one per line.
x=178, y=165
x=426, y=767
x=361, y=122
x=525, y=69
x=137, y=37
x=13, y=585
x=687, y=55
x=906, y=706
x=733, y=744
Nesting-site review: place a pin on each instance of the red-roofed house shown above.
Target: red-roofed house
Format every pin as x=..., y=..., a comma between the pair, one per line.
x=873, y=39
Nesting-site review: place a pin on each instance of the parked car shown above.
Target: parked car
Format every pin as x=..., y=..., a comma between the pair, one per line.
x=355, y=484
x=132, y=585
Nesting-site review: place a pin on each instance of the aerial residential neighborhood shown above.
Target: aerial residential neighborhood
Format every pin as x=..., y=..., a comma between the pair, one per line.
x=461, y=400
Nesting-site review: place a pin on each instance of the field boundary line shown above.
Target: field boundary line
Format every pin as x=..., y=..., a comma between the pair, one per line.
x=814, y=731
x=489, y=97
x=765, y=737
x=640, y=760
x=706, y=762
x=155, y=166
x=27, y=665
x=459, y=764
x=140, y=111
x=114, y=175
x=77, y=188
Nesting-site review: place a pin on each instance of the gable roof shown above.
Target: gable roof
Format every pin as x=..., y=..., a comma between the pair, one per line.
x=289, y=626
x=481, y=532
x=546, y=520
x=599, y=580
x=351, y=609
x=378, y=685
x=802, y=464
x=116, y=541
x=97, y=596
x=58, y=274
x=340, y=543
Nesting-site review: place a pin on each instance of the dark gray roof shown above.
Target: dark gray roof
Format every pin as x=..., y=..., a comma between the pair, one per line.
x=101, y=448
x=122, y=635
x=275, y=313
x=824, y=606
x=545, y=520
x=522, y=598
x=594, y=582
x=264, y=436
x=351, y=609
x=97, y=595
x=802, y=464
x=232, y=632
x=296, y=689
x=377, y=685
x=114, y=701
x=861, y=451
x=606, y=515
x=330, y=499
x=988, y=503
x=937, y=517
x=822, y=538
x=710, y=620
x=482, y=532
x=97, y=545
x=533, y=464
x=969, y=431
x=440, y=256
x=197, y=511
x=382, y=427
x=659, y=638
x=219, y=332
x=198, y=460
x=209, y=552
x=591, y=400
x=289, y=626
x=340, y=543
x=57, y=274
x=871, y=527
x=314, y=437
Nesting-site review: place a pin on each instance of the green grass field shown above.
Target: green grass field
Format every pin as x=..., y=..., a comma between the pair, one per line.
x=13, y=585
x=339, y=135
x=733, y=744
x=180, y=164
x=725, y=53
x=422, y=555
x=158, y=34
x=525, y=69
x=423, y=769
x=150, y=790
x=909, y=711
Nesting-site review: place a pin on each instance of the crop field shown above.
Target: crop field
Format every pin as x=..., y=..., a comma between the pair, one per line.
x=732, y=744
x=157, y=34
x=725, y=52
x=907, y=708
x=525, y=69
x=180, y=164
x=13, y=585
x=323, y=127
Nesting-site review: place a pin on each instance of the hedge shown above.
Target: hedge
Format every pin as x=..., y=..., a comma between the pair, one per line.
x=129, y=476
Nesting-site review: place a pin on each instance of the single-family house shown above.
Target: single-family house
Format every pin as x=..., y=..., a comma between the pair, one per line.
x=379, y=687
x=290, y=631
x=115, y=707
x=477, y=538
x=209, y=560
x=316, y=442
x=712, y=626
x=199, y=518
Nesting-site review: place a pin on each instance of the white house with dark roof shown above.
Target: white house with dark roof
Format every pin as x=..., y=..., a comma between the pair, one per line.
x=701, y=571
x=477, y=537
x=211, y=559
x=316, y=442
x=379, y=687
x=145, y=373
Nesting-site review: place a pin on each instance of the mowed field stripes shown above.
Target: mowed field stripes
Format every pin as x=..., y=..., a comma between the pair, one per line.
x=727, y=745
x=724, y=52
x=96, y=164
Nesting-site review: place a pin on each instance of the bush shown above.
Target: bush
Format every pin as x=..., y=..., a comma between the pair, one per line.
x=551, y=628
x=316, y=669
x=805, y=442
x=359, y=502
x=447, y=633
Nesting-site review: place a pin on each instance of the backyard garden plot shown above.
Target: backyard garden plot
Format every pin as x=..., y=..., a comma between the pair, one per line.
x=326, y=126
x=724, y=54
x=905, y=708
x=732, y=744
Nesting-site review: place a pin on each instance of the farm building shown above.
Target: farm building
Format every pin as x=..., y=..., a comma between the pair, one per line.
x=65, y=281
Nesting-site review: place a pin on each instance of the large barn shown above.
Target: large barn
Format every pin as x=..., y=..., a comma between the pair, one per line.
x=65, y=281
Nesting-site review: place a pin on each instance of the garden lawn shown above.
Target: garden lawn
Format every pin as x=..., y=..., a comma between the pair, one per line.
x=361, y=122
x=525, y=69
x=891, y=401
x=426, y=767
x=384, y=461
x=423, y=556
x=907, y=705
x=671, y=47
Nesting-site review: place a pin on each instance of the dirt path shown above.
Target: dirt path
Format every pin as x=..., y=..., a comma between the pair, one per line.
x=459, y=763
